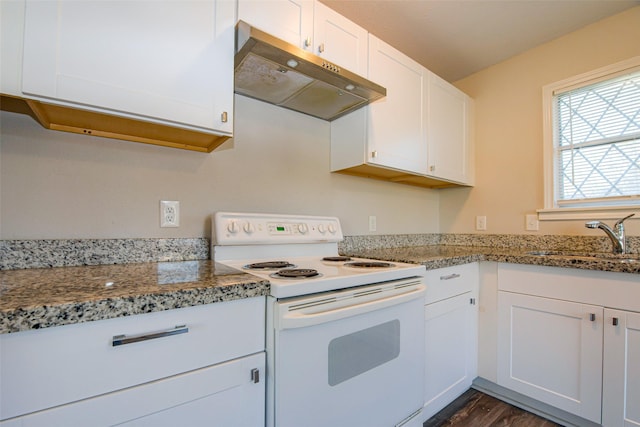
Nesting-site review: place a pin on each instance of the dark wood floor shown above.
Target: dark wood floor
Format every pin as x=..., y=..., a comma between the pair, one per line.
x=476, y=409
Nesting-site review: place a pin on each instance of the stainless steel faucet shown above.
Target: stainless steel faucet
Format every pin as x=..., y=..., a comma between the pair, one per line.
x=616, y=235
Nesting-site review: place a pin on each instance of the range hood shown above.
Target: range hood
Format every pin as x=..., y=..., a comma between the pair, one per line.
x=277, y=72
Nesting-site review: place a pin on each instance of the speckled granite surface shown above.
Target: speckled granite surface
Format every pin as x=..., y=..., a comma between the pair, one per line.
x=46, y=297
x=439, y=256
x=16, y=254
x=101, y=279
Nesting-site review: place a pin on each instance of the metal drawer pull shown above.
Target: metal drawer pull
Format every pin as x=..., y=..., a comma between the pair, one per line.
x=615, y=321
x=123, y=339
x=450, y=276
x=255, y=375
x=592, y=317
x=472, y=301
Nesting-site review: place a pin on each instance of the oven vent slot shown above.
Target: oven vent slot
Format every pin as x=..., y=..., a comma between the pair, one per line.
x=368, y=292
x=309, y=304
x=406, y=284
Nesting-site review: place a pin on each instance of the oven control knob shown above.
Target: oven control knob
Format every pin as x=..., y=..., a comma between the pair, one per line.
x=303, y=228
x=248, y=228
x=232, y=227
x=322, y=229
x=332, y=229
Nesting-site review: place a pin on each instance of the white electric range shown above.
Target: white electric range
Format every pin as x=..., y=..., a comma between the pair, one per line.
x=345, y=337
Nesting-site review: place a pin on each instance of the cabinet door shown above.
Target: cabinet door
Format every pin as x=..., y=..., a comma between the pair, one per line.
x=396, y=136
x=289, y=20
x=220, y=395
x=339, y=40
x=168, y=62
x=450, y=350
x=621, y=387
x=551, y=350
x=448, y=133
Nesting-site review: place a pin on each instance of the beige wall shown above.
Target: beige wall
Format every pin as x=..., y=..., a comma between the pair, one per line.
x=61, y=185
x=508, y=101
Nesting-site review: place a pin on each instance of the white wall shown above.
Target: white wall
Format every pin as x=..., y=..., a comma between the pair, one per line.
x=508, y=106
x=62, y=185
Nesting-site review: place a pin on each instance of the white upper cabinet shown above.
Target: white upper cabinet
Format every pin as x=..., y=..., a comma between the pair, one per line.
x=339, y=40
x=449, y=131
x=387, y=136
x=163, y=62
x=396, y=127
x=419, y=134
x=311, y=26
x=289, y=20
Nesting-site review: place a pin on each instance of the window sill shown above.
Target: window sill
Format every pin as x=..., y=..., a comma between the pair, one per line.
x=590, y=213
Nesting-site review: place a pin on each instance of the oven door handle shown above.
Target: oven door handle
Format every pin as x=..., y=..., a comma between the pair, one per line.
x=327, y=310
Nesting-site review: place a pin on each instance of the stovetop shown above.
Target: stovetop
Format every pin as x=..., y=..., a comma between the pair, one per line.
x=331, y=275
x=296, y=244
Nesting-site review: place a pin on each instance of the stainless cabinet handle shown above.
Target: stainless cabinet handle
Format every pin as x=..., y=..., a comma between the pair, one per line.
x=123, y=339
x=321, y=48
x=255, y=375
x=615, y=321
x=224, y=117
x=450, y=276
x=592, y=317
x=374, y=154
x=307, y=42
x=472, y=301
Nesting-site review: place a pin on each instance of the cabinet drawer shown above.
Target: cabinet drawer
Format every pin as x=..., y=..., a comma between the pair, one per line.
x=219, y=395
x=448, y=282
x=49, y=367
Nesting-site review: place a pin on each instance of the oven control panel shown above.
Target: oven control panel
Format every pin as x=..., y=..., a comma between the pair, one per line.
x=233, y=228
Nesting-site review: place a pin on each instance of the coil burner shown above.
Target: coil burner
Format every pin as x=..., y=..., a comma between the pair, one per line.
x=337, y=258
x=369, y=264
x=268, y=265
x=295, y=273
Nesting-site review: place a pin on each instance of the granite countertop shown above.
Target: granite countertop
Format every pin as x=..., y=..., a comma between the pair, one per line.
x=439, y=256
x=45, y=297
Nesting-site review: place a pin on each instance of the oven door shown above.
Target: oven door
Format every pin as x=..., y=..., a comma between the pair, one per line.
x=350, y=358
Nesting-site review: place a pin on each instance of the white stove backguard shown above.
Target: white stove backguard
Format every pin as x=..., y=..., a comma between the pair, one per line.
x=234, y=228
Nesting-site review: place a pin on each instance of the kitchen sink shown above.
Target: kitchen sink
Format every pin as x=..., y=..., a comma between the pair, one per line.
x=589, y=256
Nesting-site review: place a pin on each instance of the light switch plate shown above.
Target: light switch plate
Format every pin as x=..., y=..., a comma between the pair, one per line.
x=531, y=222
x=481, y=223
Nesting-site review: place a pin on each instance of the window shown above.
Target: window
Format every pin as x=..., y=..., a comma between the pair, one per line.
x=592, y=143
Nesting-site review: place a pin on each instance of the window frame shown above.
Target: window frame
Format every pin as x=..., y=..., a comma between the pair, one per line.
x=551, y=210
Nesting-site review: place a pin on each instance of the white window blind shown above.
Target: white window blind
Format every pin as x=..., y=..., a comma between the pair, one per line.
x=597, y=143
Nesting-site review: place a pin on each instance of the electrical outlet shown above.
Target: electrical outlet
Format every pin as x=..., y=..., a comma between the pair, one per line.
x=531, y=222
x=373, y=226
x=169, y=213
x=481, y=223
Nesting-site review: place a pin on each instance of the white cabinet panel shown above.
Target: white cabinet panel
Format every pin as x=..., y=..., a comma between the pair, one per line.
x=396, y=131
x=289, y=20
x=222, y=395
x=551, y=350
x=54, y=366
x=168, y=62
x=448, y=131
x=339, y=40
x=621, y=379
x=451, y=335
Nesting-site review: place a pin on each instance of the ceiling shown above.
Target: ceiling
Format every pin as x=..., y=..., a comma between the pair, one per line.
x=456, y=38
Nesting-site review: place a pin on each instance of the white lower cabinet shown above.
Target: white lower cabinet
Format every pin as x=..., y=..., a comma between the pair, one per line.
x=551, y=350
x=561, y=344
x=196, y=366
x=220, y=395
x=451, y=320
x=621, y=376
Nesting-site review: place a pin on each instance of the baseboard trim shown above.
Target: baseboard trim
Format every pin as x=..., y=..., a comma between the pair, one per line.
x=531, y=405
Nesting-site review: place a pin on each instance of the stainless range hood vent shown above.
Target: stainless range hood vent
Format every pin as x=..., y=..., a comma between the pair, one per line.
x=274, y=71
